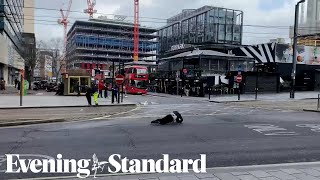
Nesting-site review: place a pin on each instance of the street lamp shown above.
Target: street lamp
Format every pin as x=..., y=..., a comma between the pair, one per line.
x=295, y=39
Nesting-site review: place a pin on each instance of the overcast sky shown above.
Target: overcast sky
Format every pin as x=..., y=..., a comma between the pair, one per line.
x=256, y=12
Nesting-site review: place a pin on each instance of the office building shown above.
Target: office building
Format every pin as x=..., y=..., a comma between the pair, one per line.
x=206, y=25
x=11, y=40
x=98, y=42
x=29, y=16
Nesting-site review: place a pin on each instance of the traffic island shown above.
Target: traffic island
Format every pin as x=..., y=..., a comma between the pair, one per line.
x=312, y=110
x=289, y=105
x=33, y=115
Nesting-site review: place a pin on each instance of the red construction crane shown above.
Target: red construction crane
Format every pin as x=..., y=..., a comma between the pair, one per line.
x=90, y=9
x=64, y=21
x=136, y=31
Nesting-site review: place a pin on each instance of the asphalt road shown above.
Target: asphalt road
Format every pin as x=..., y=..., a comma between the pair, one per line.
x=229, y=136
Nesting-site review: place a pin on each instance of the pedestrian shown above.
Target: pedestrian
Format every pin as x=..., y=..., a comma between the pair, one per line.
x=88, y=95
x=95, y=94
x=187, y=89
x=15, y=83
x=125, y=91
x=78, y=88
x=105, y=89
x=19, y=87
x=101, y=87
x=115, y=92
x=2, y=84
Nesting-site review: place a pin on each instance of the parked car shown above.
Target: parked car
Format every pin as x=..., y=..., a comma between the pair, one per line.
x=52, y=87
x=36, y=85
x=44, y=84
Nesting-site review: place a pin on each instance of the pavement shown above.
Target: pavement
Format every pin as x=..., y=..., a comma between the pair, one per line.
x=45, y=107
x=42, y=99
x=293, y=171
x=11, y=90
x=295, y=105
x=267, y=97
x=28, y=116
x=248, y=97
x=304, y=101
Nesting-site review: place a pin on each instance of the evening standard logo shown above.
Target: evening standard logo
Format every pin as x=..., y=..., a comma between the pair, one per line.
x=115, y=164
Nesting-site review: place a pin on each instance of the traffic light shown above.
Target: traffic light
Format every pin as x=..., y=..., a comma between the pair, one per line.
x=97, y=71
x=122, y=72
x=182, y=74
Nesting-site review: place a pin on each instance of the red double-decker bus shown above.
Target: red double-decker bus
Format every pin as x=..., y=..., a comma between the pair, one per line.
x=136, y=79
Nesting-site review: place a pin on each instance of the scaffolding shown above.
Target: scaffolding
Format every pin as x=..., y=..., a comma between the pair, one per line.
x=102, y=42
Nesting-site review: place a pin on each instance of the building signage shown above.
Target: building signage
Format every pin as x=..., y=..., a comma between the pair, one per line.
x=180, y=46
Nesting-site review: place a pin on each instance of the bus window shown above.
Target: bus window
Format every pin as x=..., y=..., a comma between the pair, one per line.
x=140, y=84
x=135, y=71
x=141, y=71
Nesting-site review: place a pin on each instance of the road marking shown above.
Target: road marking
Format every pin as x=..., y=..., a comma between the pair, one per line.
x=313, y=127
x=106, y=117
x=270, y=130
x=3, y=159
x=137, y=116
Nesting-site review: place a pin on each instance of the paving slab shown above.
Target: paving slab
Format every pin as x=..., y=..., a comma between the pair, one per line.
x=299, y=171
x=34, y=101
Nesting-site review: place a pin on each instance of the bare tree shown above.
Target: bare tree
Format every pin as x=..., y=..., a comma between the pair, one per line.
x=53, y=49
x=40, y=46
x=29, y=55
x=56, y=44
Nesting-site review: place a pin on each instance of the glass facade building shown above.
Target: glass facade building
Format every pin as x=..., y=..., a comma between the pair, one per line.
x=11, y=40
x=12, y=20
x=202, y=26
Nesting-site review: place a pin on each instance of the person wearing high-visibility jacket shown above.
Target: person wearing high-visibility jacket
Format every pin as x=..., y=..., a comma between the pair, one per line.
x=95, y=94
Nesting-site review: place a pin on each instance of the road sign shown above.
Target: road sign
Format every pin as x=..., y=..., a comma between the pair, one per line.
x=239, y=78
x=119, y=79
x=185, y=71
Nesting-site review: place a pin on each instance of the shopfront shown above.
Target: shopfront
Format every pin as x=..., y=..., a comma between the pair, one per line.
x=78, y=82
x=200, y=70
x=74, y=81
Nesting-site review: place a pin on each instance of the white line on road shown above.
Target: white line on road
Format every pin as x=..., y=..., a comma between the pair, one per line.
x=270, y=130
x=3, y=159
x=313, y=127
x=106, y=117
x=157, y=116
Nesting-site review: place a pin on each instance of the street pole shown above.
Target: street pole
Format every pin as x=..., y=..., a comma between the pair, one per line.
x=119, y=86
x=257, y=79
x=294, y=58
x=112, y=83
x=238, y=91
x=21, y=89
x=122, y=84
x=177, y=79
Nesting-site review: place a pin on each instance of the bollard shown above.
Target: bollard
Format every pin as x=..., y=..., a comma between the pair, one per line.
x=239, y=92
